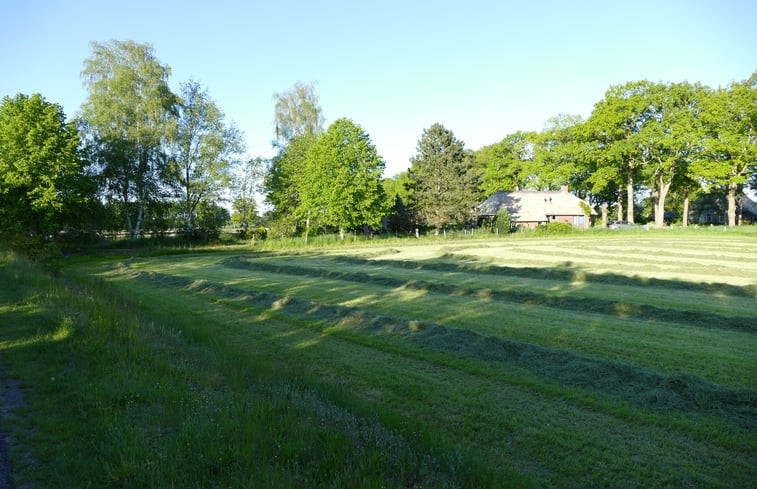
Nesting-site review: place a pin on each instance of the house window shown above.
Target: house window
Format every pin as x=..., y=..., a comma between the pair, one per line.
x=579, y=220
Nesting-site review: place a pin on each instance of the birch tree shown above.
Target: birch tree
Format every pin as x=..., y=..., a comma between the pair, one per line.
x=205, y=151
x=128, y=116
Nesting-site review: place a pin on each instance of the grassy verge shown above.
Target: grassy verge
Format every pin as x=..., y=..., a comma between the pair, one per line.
x=119, y=396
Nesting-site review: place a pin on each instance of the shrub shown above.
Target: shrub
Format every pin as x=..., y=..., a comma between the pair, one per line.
x=552, y=228
x=44, y=252
x=502, y=222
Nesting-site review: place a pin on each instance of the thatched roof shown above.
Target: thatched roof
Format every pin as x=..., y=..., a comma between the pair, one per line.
x=525, y=206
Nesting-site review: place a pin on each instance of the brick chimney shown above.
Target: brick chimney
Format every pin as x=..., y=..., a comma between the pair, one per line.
x=564, y=188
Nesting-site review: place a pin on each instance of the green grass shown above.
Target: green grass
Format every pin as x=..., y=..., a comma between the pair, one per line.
x=119, y=398
x=468, y=363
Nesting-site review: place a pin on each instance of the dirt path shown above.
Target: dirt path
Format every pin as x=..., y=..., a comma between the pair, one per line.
x=10, y=398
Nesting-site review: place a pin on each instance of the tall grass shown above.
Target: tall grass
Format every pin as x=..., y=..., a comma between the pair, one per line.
x=121, y=398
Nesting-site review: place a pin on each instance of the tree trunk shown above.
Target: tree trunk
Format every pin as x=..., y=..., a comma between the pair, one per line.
x=659, y=217
x=604, y=215
x=732, y=204
x=685, y=217
x=129, y=228
x=307, y=227
x=341, y=233
x=140, y=213
x=655, y=195
x=620, y=204
x=629, y=195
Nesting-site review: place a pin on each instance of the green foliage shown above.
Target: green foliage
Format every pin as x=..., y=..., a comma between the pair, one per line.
x=553, y=228
x=129, y=117
x=729, y=118
x=562, y=154
x=297, y=114
x=39, y=250
x=398, y=185
x=244, y=215
x=246, y=188
x=443, y=179
x=211, y=218
x=400, y=218
x=205, y=150
x=340, y=185
x=502, y=223
x=509, y=164
x=43, y=184
x=585, y=208
x=285, y=174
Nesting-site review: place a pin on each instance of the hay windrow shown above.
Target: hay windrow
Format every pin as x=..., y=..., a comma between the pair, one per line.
x=590, y=304
x=620, y=380
x=566, y=272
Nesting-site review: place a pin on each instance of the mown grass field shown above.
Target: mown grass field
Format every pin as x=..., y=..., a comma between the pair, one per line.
x=625, y=360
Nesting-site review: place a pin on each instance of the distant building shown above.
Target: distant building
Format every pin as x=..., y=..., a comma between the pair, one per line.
x=532, y=208
x=712, y=208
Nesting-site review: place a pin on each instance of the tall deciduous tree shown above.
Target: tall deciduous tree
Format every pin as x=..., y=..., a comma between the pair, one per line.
x=284, y=173
x=42, y=178
x=205, y=150
x=129, y=115
x=508, y=164
x=669, y=140
x=297, y=113
x=341, y=185
x=299, y=121
x=614, y=124
x=562, y=155
x=443, y=178
x=729, y=118
x=246, y=187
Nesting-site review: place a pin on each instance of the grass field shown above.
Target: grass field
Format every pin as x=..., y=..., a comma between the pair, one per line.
x=618, y=360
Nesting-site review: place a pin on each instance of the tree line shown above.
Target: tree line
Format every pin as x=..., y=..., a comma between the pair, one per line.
x=676, y=139
x=141, y=158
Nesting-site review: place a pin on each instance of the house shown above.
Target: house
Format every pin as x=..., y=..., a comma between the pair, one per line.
x=748, y=209
x=712, y=208
x=531, y=208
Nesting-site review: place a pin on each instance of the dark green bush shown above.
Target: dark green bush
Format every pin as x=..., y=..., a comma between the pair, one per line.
x=502, y=222
x=553, y=228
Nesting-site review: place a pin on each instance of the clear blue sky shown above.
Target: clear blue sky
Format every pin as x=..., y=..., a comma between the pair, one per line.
x=484, y=69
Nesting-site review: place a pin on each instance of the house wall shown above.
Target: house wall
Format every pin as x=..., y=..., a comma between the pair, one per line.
x=527, y=224
x=578, y=221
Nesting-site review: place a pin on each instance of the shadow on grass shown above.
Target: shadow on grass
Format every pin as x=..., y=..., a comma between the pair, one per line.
x=621, y=309
x=620, y=380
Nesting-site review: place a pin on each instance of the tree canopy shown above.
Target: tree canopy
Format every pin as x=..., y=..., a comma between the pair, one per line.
x=205, y=151
x=341, y=183
x=443, y=179
x=129, y=116
x=297, y=113
x=152, y=160
x=43, y=183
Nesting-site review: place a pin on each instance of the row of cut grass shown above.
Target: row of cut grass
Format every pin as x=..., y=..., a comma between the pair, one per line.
x=621, y=380
x=672, y=295
x=657, y=345
x=120, y=398
x=511, y=425
x=546, y=298
x=652, y=256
